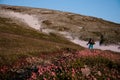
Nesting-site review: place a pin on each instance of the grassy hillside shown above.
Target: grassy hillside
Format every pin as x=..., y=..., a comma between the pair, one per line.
x=28, y=54
x=17, y=41
x=83, y=27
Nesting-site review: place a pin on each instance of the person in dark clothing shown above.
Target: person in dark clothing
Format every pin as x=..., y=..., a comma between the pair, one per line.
x=101, y=40
x=91, y=43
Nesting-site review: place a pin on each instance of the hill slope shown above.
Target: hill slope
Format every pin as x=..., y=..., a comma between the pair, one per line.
x=35, y=44
x=83, y=27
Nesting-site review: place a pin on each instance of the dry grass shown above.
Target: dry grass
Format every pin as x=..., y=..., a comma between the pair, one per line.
x=70, y=22
x=17, y=41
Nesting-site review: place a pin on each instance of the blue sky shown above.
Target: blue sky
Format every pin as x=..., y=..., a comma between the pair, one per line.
x=106, y=9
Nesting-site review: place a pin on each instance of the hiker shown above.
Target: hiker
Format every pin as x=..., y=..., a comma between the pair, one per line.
x=101, y=40
x=91, y=43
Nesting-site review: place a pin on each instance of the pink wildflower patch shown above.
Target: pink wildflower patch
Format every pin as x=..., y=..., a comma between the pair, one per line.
x=53, y=74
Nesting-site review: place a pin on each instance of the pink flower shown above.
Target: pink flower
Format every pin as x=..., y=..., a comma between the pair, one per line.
x=44, y=78
x=33, y=75
x=4, y=69
x=108, y=78
x=73, y=72
x=40, y=72
x=53, y=74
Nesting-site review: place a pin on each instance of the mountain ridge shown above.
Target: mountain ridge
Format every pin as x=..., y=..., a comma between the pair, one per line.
x=13, y=6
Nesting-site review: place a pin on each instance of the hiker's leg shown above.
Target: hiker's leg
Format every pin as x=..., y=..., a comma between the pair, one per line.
x=89, y=46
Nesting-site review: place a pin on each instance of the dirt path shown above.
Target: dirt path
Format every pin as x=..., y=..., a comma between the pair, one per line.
x=97, y=46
